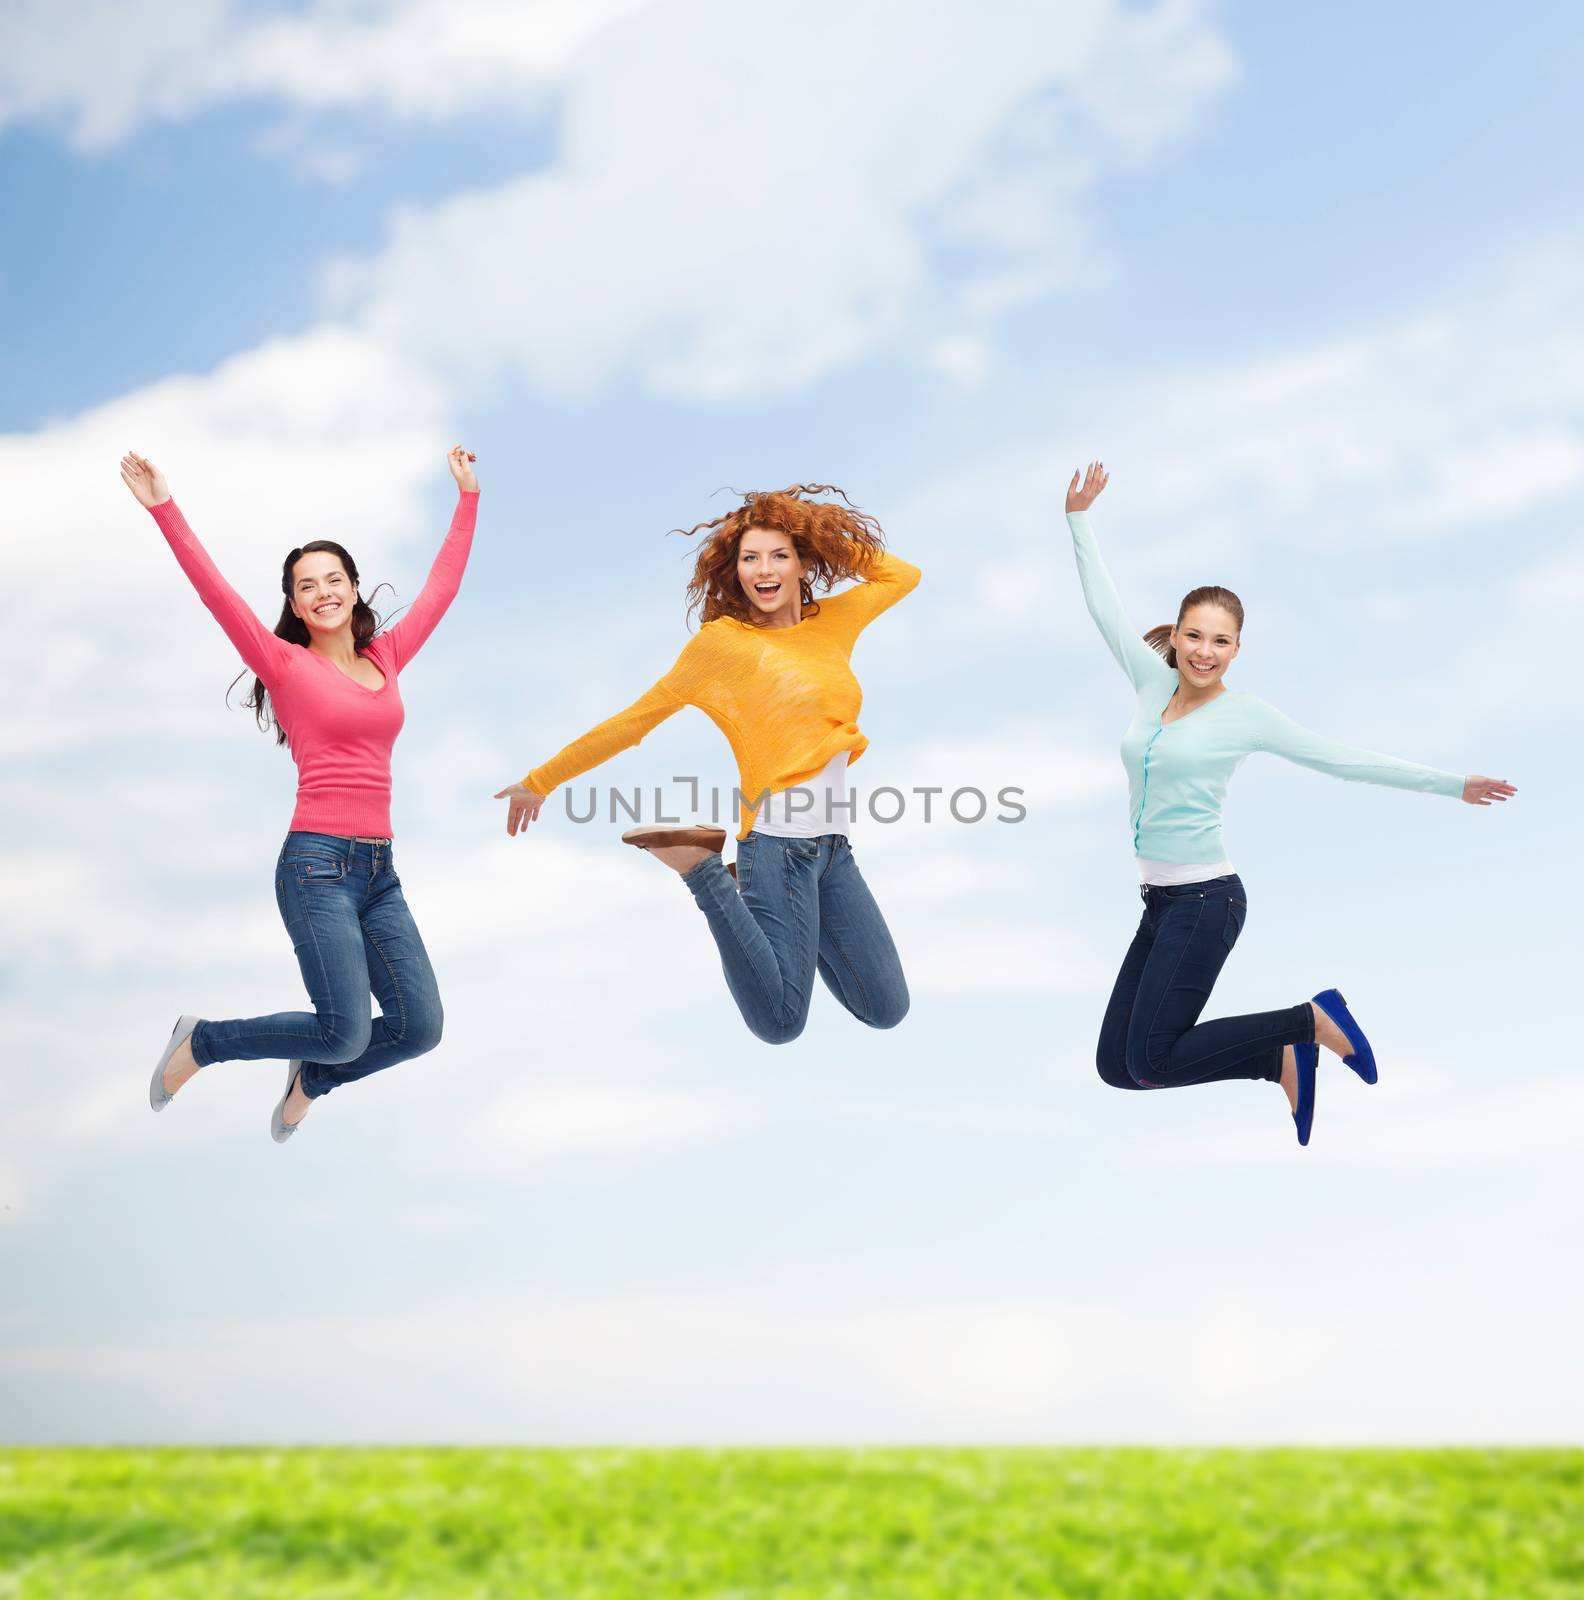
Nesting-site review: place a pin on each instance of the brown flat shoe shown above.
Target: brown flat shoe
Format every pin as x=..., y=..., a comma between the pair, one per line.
x=652, y=838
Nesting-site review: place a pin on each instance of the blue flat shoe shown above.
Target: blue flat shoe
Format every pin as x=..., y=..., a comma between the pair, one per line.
x=1307, y=1057
x=1362, y=1059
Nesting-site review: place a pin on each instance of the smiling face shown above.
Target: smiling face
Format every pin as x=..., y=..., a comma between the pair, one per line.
x=1206, y=641
x=322, y=594
x=770, y=573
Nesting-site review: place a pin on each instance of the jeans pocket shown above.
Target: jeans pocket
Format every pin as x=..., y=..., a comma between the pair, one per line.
x=1236, y=911
x=316, y=869
x=744, y=863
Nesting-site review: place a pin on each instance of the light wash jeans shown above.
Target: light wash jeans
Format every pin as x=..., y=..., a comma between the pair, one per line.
x=799, y=905
x=342, y=904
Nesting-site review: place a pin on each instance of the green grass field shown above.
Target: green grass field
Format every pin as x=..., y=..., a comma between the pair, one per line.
x=992, y=1524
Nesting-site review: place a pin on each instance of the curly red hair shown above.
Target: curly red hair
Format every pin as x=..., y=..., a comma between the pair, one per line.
x=833, y=541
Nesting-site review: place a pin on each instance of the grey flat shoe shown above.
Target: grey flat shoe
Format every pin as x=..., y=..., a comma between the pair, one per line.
x=158, y=1099
x=280, y=1129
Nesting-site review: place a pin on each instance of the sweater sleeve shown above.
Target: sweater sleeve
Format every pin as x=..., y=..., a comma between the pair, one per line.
x=1136, y=659
x=889, y=580
x=1277, y=734
x=255, y=643
x=622, y=731
x=405, y=638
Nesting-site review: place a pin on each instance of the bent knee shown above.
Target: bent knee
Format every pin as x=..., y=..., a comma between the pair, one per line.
x=1114, y=1073
x=424, y=1031
x=888, y=1015
x=1143, y=1070
x=344, y=1042
x=780, y=1032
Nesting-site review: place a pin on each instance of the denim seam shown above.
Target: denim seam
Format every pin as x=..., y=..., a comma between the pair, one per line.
x=324, y=980
x=772, y=1002
x=1167, y=986
x=852, y=967
x=401, y=1001
x=1246, y=1047
x=857, y=979
x=787, y=859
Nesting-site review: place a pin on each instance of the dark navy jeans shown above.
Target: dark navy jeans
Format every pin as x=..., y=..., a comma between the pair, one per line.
x=1149, y=1039
x=799, y=905
x=342, y=904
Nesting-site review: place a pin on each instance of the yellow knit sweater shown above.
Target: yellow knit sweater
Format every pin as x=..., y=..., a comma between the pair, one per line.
x=785, y=698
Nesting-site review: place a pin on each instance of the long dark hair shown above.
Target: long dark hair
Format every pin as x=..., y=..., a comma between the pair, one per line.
x=366, y=622
x=1212, y=594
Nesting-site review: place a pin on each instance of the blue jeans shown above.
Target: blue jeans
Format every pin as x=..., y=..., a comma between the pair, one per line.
x=798, y=905
x=342, y=904
x=1149, y=1039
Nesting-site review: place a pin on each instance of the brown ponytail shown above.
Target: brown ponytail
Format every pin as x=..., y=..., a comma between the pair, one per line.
x=1212, y=594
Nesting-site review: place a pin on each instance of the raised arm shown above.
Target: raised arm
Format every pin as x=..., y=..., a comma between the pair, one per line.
x=1125, y=642
x=1277, y=734
x=405, y=638
x=887, y=581
x=257, y=646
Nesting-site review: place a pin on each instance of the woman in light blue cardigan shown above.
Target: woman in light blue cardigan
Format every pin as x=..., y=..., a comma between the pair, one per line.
x=1189, y=734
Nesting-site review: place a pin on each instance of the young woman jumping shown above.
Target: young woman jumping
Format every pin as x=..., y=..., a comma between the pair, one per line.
x=1188, y=736
x=330, y=681
x=770, y=666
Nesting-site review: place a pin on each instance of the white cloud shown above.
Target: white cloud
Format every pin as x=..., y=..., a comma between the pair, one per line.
x=780, y=215
x=799, y=187
x=1002, y=955
x=1037, y=755
x=1415, y=1120
x=113, y=66
x=1378, y=435
x=542, y=1121
x=963, y=357
x=704, y=1367
x=325, y=434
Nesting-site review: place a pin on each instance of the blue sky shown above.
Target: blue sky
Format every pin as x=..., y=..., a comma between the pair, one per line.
x=1308, y=283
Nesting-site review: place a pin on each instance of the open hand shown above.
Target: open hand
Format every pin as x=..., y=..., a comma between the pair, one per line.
x=1478, y=791
x=458, y=458
x=144, y=479
x=1095, y=479
x=524, y=807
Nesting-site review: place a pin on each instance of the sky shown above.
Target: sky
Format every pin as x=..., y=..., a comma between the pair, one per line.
x=1308, y=280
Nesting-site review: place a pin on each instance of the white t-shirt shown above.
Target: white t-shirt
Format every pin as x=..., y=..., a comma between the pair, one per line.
x=788, y=813
x=1165, y=874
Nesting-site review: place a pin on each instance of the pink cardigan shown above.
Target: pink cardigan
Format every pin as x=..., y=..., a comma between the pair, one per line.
x=339, y=732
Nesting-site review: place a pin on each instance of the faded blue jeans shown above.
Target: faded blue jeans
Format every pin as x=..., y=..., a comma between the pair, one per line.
x=799, y=905
x=1152, y=1037
x=342, y=904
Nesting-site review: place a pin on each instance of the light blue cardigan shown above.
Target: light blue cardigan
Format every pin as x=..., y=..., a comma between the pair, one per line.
x=1178, y=771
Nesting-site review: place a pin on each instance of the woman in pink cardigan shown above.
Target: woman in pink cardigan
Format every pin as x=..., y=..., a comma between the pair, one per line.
x=328, y=680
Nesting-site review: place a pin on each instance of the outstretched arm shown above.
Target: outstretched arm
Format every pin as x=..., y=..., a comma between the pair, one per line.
x=1136, y=659
x=257, y=646
x=598, y=745
x=406, y=638
x=890, y=579
x=1281, y=736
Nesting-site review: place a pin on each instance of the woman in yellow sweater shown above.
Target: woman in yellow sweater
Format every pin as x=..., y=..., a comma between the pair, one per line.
x=770, y=666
